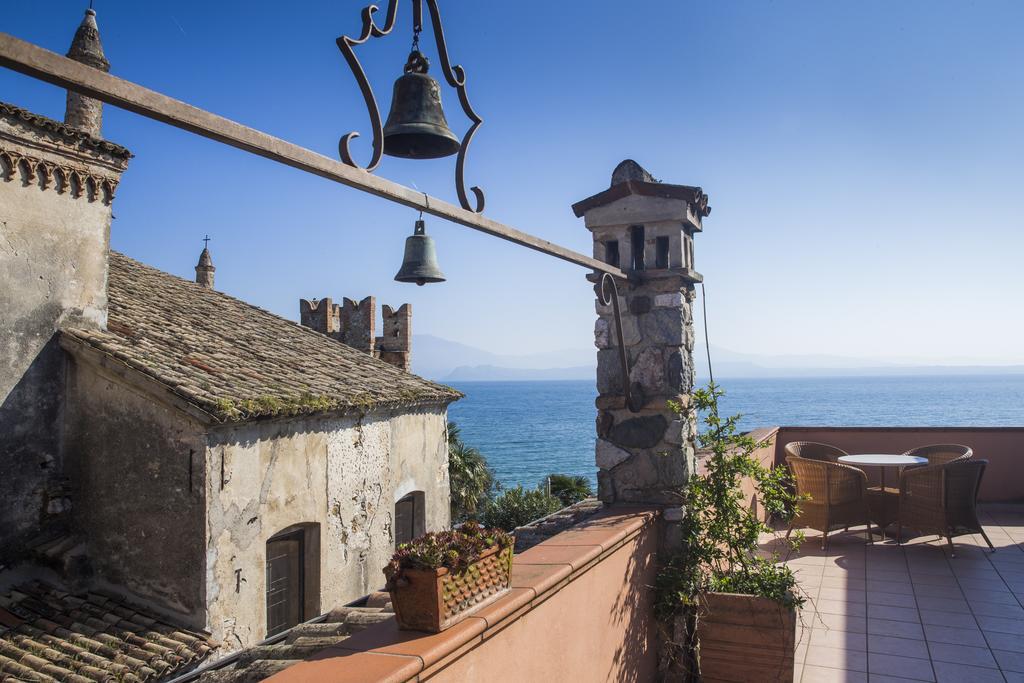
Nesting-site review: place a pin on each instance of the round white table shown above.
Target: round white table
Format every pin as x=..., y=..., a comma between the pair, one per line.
x=882, y=461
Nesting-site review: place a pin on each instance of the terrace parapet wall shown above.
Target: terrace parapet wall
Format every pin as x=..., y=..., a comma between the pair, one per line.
x=646, y=228
x=1003, y=447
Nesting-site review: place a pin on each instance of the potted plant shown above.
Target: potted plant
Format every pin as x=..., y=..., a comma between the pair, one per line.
x=729, y=606
x=440, y=578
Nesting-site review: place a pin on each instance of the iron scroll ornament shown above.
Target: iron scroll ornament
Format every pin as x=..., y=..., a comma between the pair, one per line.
x=454, y=75
x=608, y=293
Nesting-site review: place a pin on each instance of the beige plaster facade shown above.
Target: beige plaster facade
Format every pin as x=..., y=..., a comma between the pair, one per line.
x=341, y=474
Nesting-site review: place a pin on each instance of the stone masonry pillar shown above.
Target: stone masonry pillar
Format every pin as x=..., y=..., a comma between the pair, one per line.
x=646, y=228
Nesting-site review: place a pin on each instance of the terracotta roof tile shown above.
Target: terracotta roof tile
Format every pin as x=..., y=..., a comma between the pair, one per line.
x=236, y=361
x=63, y=131
x=48, y=634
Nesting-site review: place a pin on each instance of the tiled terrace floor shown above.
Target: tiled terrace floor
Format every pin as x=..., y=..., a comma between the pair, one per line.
x=887, y=613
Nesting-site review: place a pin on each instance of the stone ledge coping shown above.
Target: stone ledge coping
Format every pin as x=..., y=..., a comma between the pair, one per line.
x=384, y=654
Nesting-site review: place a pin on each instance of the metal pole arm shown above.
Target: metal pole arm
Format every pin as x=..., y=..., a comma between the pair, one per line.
x=32, y=60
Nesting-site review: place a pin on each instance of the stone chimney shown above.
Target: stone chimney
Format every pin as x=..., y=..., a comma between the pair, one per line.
x=85, y=113
x=354, y=324
x=646, y=228
x=205, y=269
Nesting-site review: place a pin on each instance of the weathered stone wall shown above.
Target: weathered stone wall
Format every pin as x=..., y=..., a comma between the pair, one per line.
x=645, y=451
x=136, y=468
x=55, y=207
x=344, y=474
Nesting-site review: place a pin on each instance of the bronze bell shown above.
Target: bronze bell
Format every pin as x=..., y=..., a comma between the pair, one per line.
x=416, y=127
x=420, y=262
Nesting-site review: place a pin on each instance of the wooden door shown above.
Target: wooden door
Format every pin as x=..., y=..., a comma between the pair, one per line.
x=285, y=595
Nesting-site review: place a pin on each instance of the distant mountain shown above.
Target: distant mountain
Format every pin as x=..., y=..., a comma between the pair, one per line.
x=480, y=373
x=444, y=360
x=437, y=358
x=728, y=363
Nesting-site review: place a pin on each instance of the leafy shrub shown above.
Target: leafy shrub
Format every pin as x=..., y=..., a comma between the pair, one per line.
x=470, y=478
x=720, y=533
x=518, y=506
x=569, y=489
x=455, y=549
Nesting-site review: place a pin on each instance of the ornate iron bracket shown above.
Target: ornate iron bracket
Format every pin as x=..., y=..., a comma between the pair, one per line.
x=454, y=75
x=608, y=293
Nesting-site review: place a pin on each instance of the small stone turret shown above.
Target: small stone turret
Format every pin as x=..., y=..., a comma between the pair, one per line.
x=205, y=269
x=85, y=113
x=354, y=324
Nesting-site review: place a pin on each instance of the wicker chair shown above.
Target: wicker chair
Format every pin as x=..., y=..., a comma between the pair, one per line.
x=940, y=454
x=835, y=496
x=810, y=450
x=942, y=499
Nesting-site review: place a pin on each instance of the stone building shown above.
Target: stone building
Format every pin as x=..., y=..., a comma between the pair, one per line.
x=176, y=464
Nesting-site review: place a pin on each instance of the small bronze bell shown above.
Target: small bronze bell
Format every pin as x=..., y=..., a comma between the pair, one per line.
x=416, y=127
x=420, y=262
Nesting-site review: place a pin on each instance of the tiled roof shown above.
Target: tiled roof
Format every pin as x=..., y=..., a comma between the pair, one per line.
x=235, y=361
x=257, y=663
x=63, y=131
x=47, y=634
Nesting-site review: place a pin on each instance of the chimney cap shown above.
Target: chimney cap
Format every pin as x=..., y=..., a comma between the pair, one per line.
x=204, y=259
x=86, y=46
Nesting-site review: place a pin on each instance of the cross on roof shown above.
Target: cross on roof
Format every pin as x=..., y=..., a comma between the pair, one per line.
x=206, y=242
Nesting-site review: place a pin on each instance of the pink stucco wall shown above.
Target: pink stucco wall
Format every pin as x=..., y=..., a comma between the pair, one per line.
x=1003, y=447
x=597, y=628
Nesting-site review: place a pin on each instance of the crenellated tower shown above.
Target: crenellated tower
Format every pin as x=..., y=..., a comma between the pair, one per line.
x=354, y=323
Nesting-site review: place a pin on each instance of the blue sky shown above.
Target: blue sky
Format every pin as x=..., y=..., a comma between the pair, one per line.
x=864, y=161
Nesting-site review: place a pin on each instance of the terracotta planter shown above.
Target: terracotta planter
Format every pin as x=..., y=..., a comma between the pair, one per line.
x=745, y=638
x=433, y=600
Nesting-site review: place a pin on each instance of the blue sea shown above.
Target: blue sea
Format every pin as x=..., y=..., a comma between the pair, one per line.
x=528, y=430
